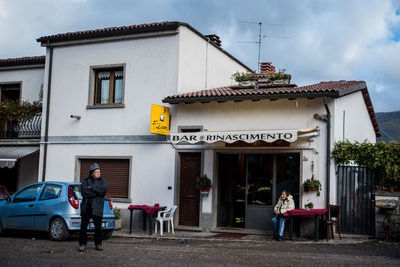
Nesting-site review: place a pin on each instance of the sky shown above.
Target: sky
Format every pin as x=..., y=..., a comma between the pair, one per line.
x=313, y=40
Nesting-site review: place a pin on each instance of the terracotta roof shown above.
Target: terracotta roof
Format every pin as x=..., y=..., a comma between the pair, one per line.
x=21, y=61
x=127, y=30
x=330, y=89
x=111, y=31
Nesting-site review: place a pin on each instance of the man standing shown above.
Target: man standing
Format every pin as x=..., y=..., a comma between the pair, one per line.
x=93, y=189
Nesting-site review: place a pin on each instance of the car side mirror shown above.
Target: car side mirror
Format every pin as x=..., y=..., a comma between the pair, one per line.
x=8, y=199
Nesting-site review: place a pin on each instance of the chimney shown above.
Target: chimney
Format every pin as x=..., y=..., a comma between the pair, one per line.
x=214, y=38
x=267, y=67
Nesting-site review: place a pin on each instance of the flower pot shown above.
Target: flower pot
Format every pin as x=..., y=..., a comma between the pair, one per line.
x=204, y=193
x=118, y=224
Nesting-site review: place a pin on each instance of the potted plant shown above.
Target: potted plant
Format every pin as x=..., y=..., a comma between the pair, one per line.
x=118, y=220
x=309, y=205
x=204, y=184
x=312, y=185
x=244, y=78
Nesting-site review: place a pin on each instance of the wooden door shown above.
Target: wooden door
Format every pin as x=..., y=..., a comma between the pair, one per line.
x=189, y=195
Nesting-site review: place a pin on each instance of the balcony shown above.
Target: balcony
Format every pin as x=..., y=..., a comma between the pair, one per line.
x=28, y=129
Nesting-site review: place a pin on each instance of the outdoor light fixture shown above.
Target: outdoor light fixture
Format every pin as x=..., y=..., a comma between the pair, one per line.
x=78, y=117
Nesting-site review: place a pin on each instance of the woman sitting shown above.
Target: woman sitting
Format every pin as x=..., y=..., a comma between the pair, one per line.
x=284, y=204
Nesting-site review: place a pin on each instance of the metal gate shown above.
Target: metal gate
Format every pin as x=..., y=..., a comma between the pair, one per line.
x=356, y=195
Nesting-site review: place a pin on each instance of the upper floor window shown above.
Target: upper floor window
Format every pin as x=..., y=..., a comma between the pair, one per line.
x=9, y=92
x=109, y=86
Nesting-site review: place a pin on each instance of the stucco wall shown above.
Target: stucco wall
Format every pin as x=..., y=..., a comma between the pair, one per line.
x=150, y=75
x=357, y=123
x=202, y=65
x=151, y=168
x=31, y=81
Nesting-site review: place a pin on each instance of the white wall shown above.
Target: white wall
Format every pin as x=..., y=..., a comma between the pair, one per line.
x=31, y=81
x=151, y=167
x=151, y=74
x=198, y=60
x=358, y=126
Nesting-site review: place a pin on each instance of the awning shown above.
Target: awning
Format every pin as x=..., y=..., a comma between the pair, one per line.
x=10, y=154
x=268, y=136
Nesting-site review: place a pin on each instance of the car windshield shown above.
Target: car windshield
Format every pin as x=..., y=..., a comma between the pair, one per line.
x=78, y=195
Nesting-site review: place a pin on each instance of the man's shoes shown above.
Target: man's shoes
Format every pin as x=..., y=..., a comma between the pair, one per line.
x=279, y=238
x=82, y=248
x=99, y=248
x=275, y=236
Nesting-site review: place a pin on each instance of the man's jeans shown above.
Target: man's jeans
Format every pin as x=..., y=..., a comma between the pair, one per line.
x=282, y=221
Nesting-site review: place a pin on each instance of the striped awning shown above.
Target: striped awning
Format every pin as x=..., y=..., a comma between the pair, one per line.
x=10, y=154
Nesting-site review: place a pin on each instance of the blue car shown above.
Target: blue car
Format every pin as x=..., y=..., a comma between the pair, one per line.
x=53, y=207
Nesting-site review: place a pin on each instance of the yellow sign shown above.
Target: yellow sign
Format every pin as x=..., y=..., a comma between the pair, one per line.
x=159, y=120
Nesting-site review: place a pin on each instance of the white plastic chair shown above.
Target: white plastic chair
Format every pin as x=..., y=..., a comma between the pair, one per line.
x=166, y=216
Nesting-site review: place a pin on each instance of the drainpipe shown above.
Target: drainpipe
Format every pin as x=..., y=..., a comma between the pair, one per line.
x=328, y=152
x=327, y=118
x=46, y=134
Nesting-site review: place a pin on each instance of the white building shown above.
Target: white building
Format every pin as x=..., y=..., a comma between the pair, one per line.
x=249, y=175
x=99, y=88
x=252, y=141
x=20, y=79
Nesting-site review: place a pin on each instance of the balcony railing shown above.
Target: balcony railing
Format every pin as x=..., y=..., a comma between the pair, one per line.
x=27, y=129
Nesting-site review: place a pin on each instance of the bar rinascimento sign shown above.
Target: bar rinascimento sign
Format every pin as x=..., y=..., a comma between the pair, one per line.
x=231, y=137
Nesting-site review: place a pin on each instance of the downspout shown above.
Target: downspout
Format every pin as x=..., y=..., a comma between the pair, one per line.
x=327, y=118
x=328, y=152
x=46, y=134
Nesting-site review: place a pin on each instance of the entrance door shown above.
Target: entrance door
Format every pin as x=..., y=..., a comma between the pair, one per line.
x=259, y=209
x=189, y=195
x=250, y=184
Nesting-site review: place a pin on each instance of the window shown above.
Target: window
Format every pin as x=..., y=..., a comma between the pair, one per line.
x=10, y=92
x=109, y=85
x=51, y=191
x=28, y=194
x=114, y=171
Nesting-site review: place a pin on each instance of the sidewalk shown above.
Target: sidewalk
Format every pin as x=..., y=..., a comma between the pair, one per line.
x=185, y=236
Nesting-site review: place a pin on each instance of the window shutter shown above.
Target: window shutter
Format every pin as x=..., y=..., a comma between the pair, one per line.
x=114, y=171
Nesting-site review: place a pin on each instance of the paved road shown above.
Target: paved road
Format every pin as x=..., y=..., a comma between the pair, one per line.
x=25, y=251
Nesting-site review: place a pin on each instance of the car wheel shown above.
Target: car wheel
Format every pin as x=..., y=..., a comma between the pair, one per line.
x=2, y=231
x=58, y=230
x=107, y=234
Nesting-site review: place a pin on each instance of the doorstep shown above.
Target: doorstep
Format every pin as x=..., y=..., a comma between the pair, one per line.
x=186, y=236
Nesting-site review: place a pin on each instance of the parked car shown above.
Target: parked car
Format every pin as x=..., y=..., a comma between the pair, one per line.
x=53, y=207
x=3, y=193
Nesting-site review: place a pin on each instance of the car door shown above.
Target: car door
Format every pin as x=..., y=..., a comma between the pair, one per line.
x=49, y=203
x=21, y=210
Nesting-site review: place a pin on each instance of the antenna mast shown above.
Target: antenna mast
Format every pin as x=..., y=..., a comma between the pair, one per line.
x=260, y=36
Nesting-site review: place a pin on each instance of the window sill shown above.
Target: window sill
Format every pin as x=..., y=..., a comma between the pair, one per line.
x=121, y=200
x=105, y=106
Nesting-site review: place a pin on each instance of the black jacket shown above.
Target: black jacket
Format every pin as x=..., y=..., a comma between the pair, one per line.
x=95, y=195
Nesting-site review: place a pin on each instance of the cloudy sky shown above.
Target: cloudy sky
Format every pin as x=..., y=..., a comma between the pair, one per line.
x=313, y=40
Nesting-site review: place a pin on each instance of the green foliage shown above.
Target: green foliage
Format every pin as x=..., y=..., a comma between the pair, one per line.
x=117, y=213
x=380, y=156
x=312, y=185
x=19, y=111
x=279, y=76
x=309, y=205
x=203, y=182
x=242, y=76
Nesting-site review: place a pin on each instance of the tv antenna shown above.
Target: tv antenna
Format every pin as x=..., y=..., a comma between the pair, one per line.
x=260, y=36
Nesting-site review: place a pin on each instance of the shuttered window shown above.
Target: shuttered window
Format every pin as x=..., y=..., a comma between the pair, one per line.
x=114, y=171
